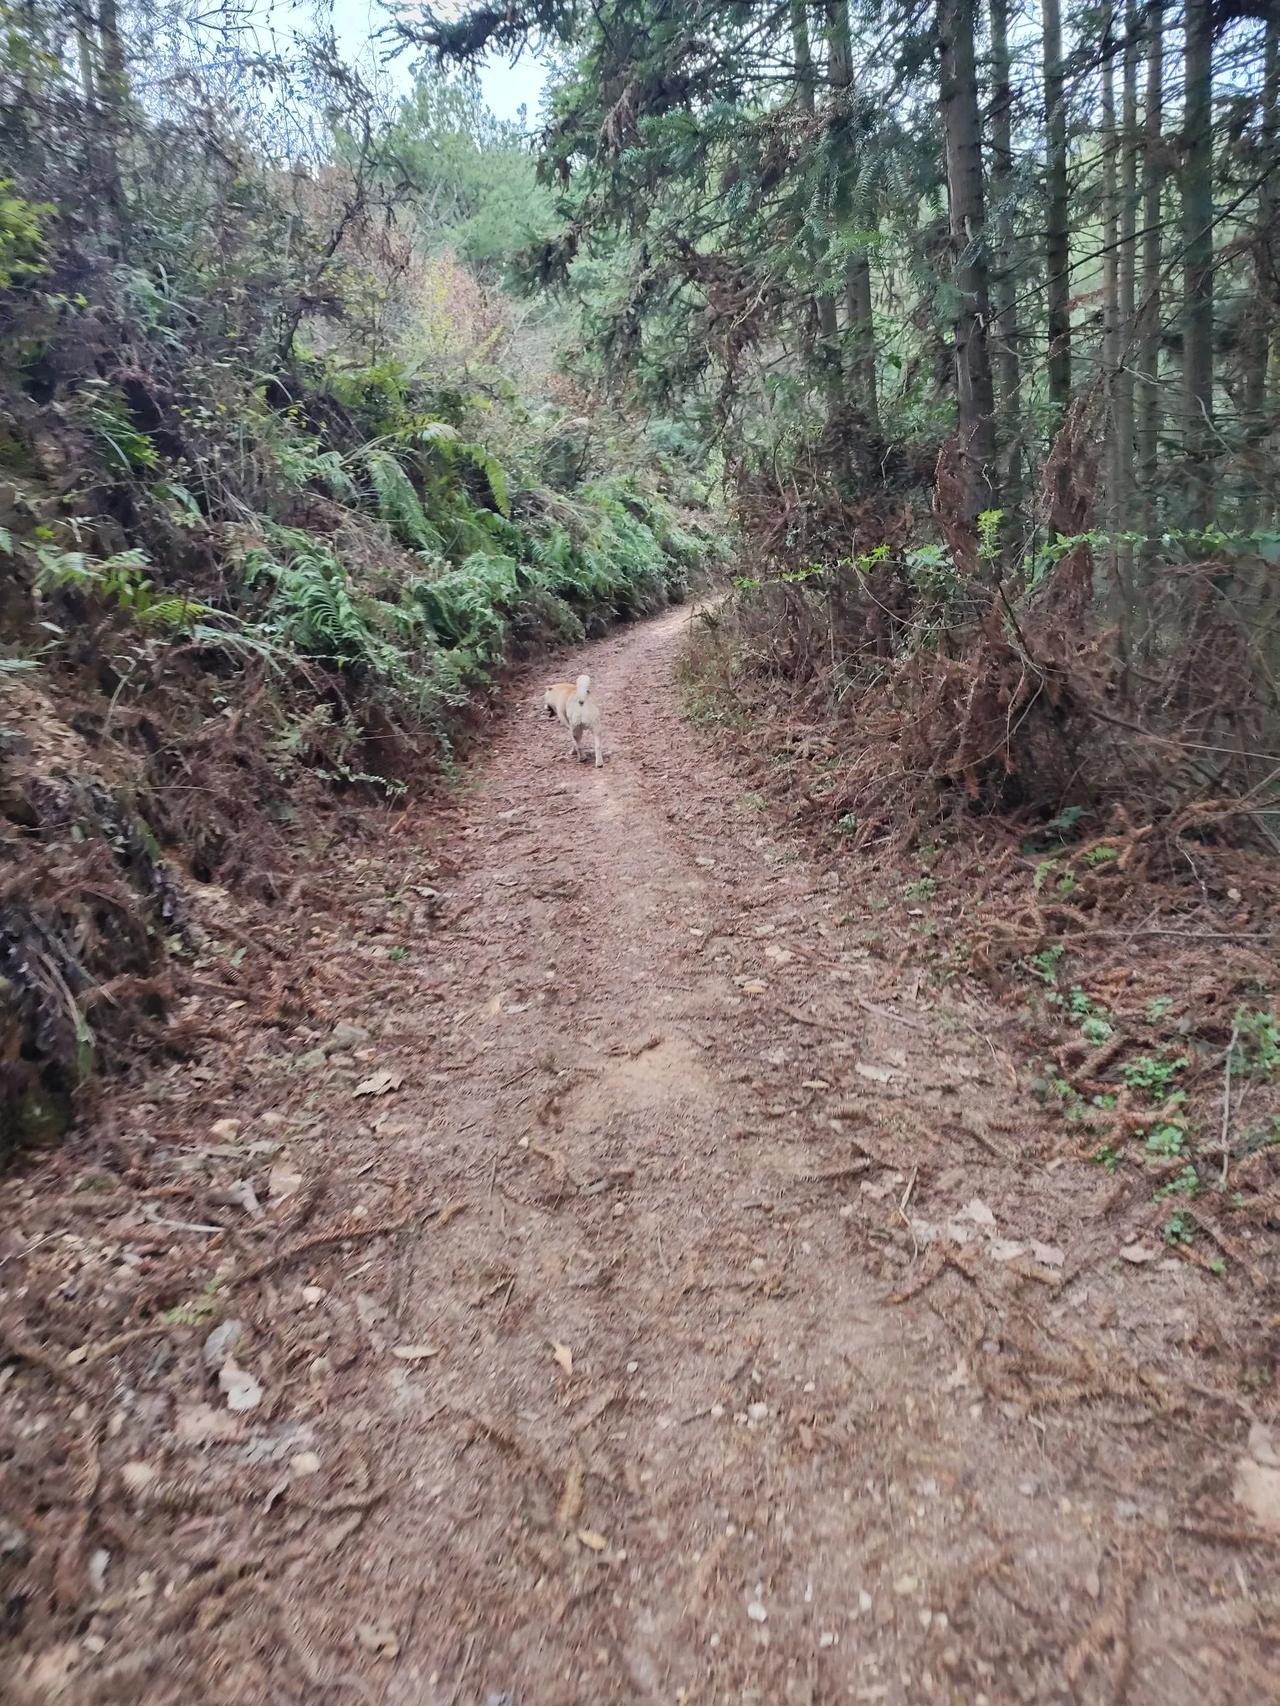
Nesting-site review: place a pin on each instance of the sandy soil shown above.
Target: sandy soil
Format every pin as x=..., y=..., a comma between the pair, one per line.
x=648, y=1295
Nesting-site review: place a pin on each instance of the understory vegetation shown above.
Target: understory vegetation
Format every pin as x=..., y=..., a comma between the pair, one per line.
x=287, y=481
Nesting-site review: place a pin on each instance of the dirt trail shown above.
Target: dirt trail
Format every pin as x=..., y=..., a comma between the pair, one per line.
x=695, y=1408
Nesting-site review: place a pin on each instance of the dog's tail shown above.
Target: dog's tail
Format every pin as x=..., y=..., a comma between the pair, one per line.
x=584, y=685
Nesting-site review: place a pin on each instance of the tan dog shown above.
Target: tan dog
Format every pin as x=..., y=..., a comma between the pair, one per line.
x=555, y=701
x=583, y=716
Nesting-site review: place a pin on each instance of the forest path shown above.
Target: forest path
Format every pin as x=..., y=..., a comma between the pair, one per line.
x=662, y=1390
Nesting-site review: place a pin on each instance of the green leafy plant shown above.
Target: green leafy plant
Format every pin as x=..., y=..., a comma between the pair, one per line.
x=1153, y=1077
x=1255, y=1050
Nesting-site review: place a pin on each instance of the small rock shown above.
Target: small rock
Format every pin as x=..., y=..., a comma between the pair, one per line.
x=377, y=1639
x=223, y=1340
x=827, y=1640
x=313, y=1058
x=632, y=1367
x=313, y=1294
x=136, y=1477
x=905, y=1585
x=347, y=1036
x=1257, y=1488
x=865, y=1601
x=305, y=1463
x=756, y=1612
x=1138, y=1254
x=757, y=1412
x=222, y=1131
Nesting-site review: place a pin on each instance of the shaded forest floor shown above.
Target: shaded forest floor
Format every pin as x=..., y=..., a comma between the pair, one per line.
x=584, y=1261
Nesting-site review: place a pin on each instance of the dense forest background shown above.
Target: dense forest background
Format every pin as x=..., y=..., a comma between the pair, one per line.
x=324, y=405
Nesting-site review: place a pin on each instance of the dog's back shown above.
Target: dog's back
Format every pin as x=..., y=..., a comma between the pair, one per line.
x=556, y=699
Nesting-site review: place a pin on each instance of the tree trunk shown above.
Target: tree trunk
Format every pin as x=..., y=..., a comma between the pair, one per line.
x=1114, y=458
x=857, y=291
x=1197, y=244
x=1057, y=242
x=113, y=96
x=1127, y=303
x=975, y=396
x=1148, y=358
x=1004, y=283
x=824, y=306
x=1264, y=339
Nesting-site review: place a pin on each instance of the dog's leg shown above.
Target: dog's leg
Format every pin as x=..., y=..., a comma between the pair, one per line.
x=599, y=761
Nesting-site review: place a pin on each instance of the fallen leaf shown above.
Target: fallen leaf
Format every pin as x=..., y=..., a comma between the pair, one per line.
x=242, y=1390
x=571, y=1497
x=414, y=1353
x=221, y=1342
x=377, y=1639
x=589, y=1538
x=1048, y=1255
x=754, y=986
x=96, y=1570
x=379, y=1084
x=815, y=1084
x=201, y=1424
x=1005, y=1249
x=563, y=1355
x=977, y=1211
x=282, y=1182
x=1138, y=1253
x=877, y=1074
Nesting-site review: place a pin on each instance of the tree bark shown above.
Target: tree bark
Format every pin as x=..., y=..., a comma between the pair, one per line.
x=824, y=306
x=1004, y=281
x=1057, y=244
x=1260, y=375
x=975, y=396
x=1148, y=357
x=113, y=96
x=857, y=291
x=1197, y=243
x=1119, y=448
x=1127, y=303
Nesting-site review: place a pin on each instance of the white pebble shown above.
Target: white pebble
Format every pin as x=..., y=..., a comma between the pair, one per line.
x=756, y=1612
x=758, y=1412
